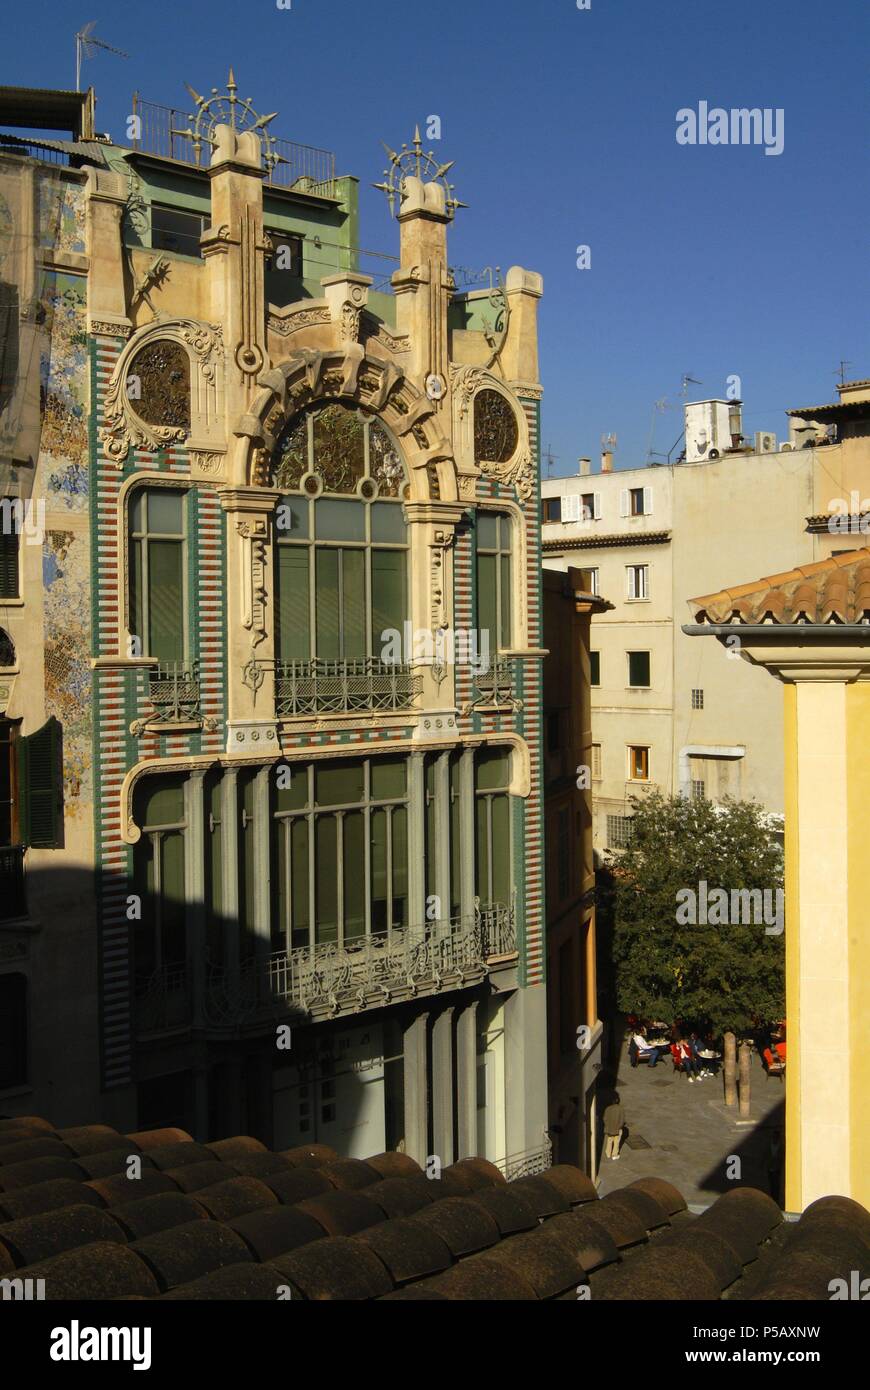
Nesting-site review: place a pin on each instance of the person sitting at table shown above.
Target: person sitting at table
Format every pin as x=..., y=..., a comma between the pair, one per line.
x=645, y=1049
x=696, y=1044
x=685, y=1061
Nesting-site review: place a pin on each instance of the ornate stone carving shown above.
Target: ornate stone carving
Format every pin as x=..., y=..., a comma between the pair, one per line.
x=520, y=474
x=284, y=325
x=350, y=320
x=125, y=427
x=496, y=430
x=441, y=543
x=107, y=329
x=206, y=464
x=465, y=381
x=254, y=534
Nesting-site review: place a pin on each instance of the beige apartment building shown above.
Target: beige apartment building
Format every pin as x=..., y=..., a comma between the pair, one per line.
x=667, y=712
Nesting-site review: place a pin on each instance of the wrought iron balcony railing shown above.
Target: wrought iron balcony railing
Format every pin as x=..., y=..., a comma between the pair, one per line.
x=339, y=687
x=526, y=1164
x=163, y=1000
x=496, y=685
x=174, y=694
x=12, y=898
x=333, y=979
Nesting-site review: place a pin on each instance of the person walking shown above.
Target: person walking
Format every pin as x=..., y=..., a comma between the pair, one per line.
x=614, y=1121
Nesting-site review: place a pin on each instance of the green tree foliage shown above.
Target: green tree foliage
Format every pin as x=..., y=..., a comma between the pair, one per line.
x=729, y=974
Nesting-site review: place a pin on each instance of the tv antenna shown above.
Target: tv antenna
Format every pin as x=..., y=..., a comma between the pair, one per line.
x=85, y=46
x=684, y=387
x=608, y=441
x=841, y=373
x=550, y=458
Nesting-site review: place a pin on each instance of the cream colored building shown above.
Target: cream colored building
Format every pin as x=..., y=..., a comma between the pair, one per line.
x=667, y=712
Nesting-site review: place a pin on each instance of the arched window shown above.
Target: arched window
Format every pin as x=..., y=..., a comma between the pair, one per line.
x=7, y=649
x=341, y=561
x=494, y=588
x=160, y=943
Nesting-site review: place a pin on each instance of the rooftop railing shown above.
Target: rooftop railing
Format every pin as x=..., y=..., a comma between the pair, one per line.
x=164, y=132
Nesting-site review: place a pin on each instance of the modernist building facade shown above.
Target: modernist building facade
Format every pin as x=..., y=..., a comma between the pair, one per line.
x=688, y=717
x=290, y=604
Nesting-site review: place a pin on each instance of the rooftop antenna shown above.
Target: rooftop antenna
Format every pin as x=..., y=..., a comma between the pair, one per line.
x=659, y=407
x=684, y=388
x=608, y=441
x=841, y=373
x=550, y=458
x=85, y=44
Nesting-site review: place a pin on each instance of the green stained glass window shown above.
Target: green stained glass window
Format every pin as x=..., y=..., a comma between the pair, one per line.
x=292, y=603
x=157, y=565
x=339, y=784
x=494, y=583
x=389, y=594
x=388, y=778
x=326, y=885
x=353, y=830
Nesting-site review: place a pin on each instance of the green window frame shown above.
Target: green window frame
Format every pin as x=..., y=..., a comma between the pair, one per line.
x=493, y=876
x=158, y=548
x=10, y=549
x=160, y=936
x=340, y=852
x=494, y=586
x=40, y=786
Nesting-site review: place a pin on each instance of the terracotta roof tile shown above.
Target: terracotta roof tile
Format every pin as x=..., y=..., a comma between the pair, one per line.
x=119, y=1188
x=337, y=1268
x=407, y=1249
x=103, y=1270
x=541, y=1259
x=34, y=1238
x=838, y=587
x=342, y=1213
x=270, y=1232
x=233, y=1283
x=464, y=1226
x=235, y=1197
x=182, y=1253
x=148, y=1215
x=297, y=1184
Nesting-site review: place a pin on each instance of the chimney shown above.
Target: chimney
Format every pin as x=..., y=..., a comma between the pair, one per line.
x=735, y=424
x=585, y=467
x=607, y=461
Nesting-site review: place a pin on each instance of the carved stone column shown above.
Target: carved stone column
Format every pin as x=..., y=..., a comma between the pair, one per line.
x=432, y=527
x=251, y=724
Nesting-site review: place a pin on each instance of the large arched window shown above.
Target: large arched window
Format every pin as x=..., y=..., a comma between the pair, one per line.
x=341, y=556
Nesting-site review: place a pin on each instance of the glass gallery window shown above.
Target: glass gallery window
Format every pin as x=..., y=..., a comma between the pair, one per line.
x=341, y=556
x=493, y=824
x=494, y=578
x=159, y=875
x=341, y=850
x=158, y=548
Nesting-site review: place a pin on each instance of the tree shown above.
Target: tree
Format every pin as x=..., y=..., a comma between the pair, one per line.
x=670, y=963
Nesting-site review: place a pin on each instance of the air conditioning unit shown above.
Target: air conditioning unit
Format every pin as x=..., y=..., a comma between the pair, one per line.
x=765, y=442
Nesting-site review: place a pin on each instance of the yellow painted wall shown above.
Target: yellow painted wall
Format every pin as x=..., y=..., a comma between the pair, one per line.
x=851, y=1029
x=792, y=953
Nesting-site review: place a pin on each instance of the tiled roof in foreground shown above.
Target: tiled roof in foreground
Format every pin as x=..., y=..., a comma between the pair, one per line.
x=827, y=592
x=231, y=1220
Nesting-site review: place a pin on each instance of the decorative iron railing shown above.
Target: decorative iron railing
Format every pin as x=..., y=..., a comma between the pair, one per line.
x=174, y=693
x=340, y=978
x=496, y=685
x=164, y=132
x=12, y=897
x=527, y=1163
x=337, y=687
x=163, y=1000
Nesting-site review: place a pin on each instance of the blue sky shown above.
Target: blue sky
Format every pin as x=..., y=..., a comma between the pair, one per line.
x=708, y=260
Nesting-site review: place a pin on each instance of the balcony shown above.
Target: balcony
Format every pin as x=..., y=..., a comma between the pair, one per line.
x=333, y=979
x=12, y=899
x=318, y=687
x=167, y=132
x=495, y=687
x=174, y=694
x=163, y=1003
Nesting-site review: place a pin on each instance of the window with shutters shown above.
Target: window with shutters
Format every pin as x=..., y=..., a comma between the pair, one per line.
x=552, y=509
x=158, y=554
x=596, y=760
x=494, y=588
x=40, y=783
x=592, y=580
x=636, y=501
x=637, y=581
x=587, y=505
x=10, y=542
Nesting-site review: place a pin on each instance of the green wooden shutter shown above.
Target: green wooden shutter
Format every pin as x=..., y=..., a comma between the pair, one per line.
x=41, y=807
x=9, y=564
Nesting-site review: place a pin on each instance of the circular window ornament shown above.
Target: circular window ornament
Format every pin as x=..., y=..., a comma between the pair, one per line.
x=435, y=386
x=367, y=489
x=311, y=484
x=496, y=431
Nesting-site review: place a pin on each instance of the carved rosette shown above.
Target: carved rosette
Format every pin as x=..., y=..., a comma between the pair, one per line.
x=124, y=428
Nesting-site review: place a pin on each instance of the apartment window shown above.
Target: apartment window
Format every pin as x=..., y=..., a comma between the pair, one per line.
x=697, y=699
x=552, y=508
x=31, y=800
x=637, y=580
x=10, y=541
x=636, y=501
x=638, y=669
x=596, y=760
x=594, y=668
x=590, y=506
x=638, y=763
x=699, y=789
x=175, y=230
x=618, y=832
x=158, y=555
x=593, y=581
x=494, y=600
x=493, y=839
